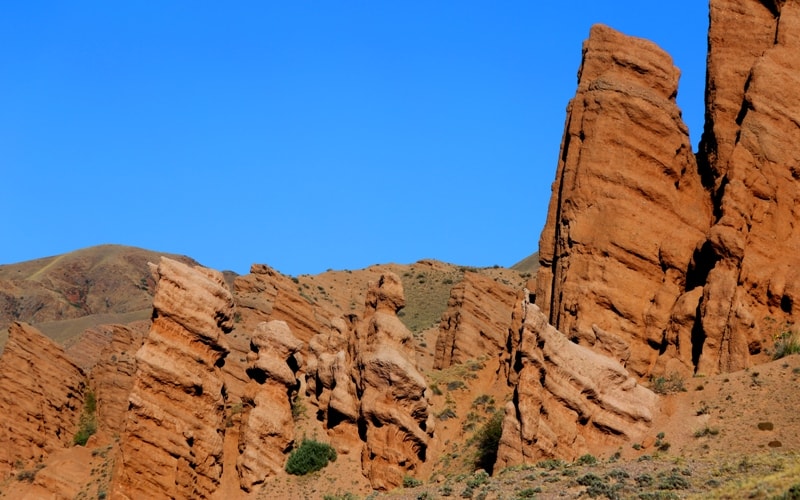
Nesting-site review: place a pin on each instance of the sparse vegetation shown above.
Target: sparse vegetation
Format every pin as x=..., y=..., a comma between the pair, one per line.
x=668, y=385
x=706, y=431
x=488, y=440
x=411, y=482
x=787, y=342
x=87, y=425
x=309, y=457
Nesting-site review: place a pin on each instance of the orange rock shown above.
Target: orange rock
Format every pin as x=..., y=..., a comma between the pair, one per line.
x=41, y=401
x=267, y=429
x=750, y=257
x=395, y=406
x=172, y=443
x=626, y=161
x=569, y=399
x=476, y=321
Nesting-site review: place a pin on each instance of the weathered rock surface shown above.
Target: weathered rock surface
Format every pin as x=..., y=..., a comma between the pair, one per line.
x=172, y=443
x=265, y=294
x=267, y=429
x=749, y=259
x=331, y=384
x=395, y=409
x=626, y=161
x=476, y=321
x=569, y=399
x=42, y=398
x=112, y=375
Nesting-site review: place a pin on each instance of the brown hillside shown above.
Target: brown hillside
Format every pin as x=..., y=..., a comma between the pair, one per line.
x=84, y=288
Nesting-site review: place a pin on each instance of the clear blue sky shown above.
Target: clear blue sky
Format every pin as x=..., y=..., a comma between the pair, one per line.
x=305, y=135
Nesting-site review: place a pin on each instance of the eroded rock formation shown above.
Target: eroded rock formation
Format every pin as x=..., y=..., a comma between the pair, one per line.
x=749, y=260
x=41, y=401
x=395, y=409
x=370, y=394
x=112, y=376
x=569, y=399
x=172, y=443
x=267, y=430
x=476, y=321
x=628, y=206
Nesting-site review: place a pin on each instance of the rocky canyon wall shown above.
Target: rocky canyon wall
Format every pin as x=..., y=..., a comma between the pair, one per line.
x=691, y=261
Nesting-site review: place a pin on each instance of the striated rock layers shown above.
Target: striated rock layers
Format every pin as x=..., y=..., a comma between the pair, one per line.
x=42, y=398
x=626, y=162
x=368, y=388
x=267, y=428
x=476, y=321
x=691, y=266
x=112, y=377
x=569, y=399
x=749, y=262
x=172, y=443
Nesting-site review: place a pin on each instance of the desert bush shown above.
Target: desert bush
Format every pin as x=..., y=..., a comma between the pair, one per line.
x=488, y=440
x=550, y=464
x=586, y=460
x=309, y=457
x=87, y=425
x=793, y=493
x=787, y=342
x=411, y=482
x=706, y=431
x=668, y=385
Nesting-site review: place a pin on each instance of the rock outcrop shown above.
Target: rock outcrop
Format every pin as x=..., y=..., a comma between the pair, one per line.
x=265, y=295
x=370, y=394
x=267, y=429
x=112, y=376
x=749, y=262
x=331, y=383
x=569, y=400
x=41, y=401
x=476, y=321
x=626, y=161
x=172, y=443
x=395, y=409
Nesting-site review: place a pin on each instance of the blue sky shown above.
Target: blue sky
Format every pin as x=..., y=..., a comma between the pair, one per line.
x=304, y=135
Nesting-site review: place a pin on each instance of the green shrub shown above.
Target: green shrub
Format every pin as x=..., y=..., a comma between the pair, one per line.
x=488, y=440
x=309, y=457
x=411, y=482
x=586, y=460
x=87, y=425
x=792, y=493
x=667, y=385
x=786, y=343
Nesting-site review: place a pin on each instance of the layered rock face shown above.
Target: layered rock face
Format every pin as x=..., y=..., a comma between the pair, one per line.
x=569, y=399
x=693, y=266
x=626, y=162
x=112, y=376
x=267, y=428
x=267, y=295
x=476, y=321
x=395, y=409
x=172, y=443
x=42, y=398
x=749, y=260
